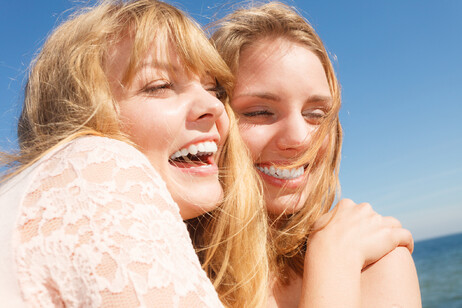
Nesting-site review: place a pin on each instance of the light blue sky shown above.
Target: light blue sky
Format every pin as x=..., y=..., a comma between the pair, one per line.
x=399, y=63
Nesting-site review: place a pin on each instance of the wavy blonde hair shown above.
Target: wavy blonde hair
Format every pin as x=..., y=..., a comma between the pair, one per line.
x=271, y=21
x=68, y=95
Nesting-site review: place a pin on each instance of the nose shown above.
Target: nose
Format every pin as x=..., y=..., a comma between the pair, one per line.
x=294, y=135
x=205, y=107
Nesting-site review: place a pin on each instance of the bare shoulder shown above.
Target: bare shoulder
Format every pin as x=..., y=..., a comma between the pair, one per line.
x=391, y=282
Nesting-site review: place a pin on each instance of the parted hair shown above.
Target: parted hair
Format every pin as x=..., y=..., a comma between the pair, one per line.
x=67, y=95
x=273, y=21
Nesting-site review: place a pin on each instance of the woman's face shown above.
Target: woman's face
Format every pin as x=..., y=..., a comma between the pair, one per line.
x=177, y=121
x=281, y=96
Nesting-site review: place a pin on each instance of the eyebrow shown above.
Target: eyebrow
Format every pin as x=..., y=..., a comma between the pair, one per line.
x=270, y=96
x=264, y=95
x=320, y=99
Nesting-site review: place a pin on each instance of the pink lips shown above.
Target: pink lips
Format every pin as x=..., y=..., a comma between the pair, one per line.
x=201, y=170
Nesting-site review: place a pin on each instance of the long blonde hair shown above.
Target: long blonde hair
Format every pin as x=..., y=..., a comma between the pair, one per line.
x=240, y=30
x=68, y=95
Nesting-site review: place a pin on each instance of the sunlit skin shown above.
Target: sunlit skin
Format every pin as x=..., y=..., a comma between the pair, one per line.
x=164, y=110
x=281, y=96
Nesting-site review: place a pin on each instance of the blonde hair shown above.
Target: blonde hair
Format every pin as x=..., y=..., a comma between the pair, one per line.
x=271, y=21
x=68, y=95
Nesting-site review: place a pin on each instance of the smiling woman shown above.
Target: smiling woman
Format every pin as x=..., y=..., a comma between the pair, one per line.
x=171, y=114
x=287, y=98
x=125, y=132
x=279, y=115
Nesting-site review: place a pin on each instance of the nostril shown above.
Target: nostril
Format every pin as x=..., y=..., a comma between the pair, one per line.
x=204, y=116
x=293, y=142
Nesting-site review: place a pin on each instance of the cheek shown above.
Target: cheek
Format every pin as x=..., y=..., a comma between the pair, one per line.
x=324, y=145
x=223, y=125
x=134, y=125
x=141, y=124
x=131, y=122
x=323, y=149
x=256, y=137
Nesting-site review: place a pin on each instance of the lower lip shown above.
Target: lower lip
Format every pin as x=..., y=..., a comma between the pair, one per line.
x=205, y=170
x=281, y=183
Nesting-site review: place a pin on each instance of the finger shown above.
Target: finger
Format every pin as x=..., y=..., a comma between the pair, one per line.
x=366, y=206
x=403, y=237
x=323, y=221
x=391, y=222
x=346, y=203
x=367, y=210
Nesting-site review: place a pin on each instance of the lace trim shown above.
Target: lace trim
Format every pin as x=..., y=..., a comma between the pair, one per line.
x=97, y=227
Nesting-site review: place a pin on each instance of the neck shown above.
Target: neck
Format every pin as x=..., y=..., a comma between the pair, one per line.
x=285, y=294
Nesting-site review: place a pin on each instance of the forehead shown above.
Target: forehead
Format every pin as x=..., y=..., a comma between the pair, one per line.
x=270, y=52
x=281, y=64
x=124, y=58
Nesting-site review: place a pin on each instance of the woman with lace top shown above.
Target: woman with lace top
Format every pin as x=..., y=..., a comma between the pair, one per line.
x=124, y=125
x=287, y=99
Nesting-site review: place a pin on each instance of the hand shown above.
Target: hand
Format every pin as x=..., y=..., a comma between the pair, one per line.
x=356, y=233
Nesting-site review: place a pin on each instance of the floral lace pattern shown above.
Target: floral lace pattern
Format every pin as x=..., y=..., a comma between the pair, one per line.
x=98, y=228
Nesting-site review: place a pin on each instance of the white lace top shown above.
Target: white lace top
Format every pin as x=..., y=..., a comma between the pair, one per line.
x=93, y=225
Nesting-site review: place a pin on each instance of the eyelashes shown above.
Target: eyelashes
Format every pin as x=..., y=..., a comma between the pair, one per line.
x=258, y=117
x=161, y=89
x=312, y=116
x=257, y=113
x=157, y=88
x=315, y=114
x=218, y=91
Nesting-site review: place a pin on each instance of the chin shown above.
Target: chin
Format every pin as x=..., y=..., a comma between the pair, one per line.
x=199, y=201
x=288, y=204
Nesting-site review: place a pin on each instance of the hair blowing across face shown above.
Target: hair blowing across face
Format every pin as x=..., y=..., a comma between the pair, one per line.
x=68, y=95
x=239, y=31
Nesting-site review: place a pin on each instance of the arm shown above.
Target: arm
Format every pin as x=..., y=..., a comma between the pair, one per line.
x=330, y=278
x=100, y=229
x=391, y=282
x=348, y=239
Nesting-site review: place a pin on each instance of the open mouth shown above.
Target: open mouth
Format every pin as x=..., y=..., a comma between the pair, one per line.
x=281, y=173
x=195, y=155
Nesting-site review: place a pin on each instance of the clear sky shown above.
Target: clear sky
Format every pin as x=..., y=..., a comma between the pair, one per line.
x=399, y=63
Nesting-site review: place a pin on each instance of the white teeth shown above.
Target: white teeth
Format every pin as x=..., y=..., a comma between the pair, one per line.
x=285, y=174
x=203, y=148
x=272, y=171
x=192, y=149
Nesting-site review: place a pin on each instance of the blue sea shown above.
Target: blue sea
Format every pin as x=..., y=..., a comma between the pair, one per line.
x=439, y=266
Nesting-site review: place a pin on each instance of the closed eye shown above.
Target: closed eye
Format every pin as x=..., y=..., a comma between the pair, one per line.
x=218, y=91
x=314, y=115
x=157, y=88
x=257, y=113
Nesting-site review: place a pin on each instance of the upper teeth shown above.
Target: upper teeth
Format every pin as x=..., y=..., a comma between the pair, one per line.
x=285, y=174
x=203, y=148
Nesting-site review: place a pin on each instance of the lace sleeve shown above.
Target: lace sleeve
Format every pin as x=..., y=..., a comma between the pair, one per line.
x=98, y=228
